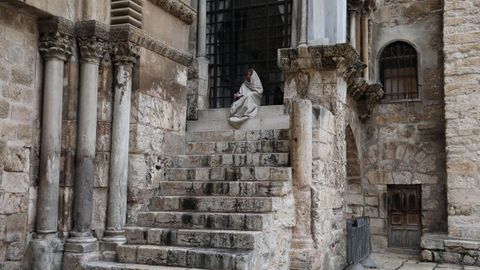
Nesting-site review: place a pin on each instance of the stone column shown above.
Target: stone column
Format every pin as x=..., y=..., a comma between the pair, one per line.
x=294, y=36
x=198, y=99
x=302, y=241
x=202, y=29
x=92, y=38
x=303, y=24
x=124, y=56
x=364, y=22
x=56, y=41
x=353, y=28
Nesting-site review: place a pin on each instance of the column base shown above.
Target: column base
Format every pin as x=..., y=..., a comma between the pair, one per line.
x=115, y=236
x=81, y=244
x=45, y=252
x=75, y=260
x=302, y=254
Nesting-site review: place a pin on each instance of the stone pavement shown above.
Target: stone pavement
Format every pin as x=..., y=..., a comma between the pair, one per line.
x=390, y=261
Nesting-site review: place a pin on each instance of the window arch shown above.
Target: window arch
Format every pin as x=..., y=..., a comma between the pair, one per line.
x=399, y=71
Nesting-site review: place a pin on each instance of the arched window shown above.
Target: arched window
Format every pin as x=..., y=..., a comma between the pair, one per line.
x=399, y=71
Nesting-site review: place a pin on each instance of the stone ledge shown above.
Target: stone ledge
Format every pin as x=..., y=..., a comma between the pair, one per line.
x=178, y=9
x=128, y=33
x=465, y=244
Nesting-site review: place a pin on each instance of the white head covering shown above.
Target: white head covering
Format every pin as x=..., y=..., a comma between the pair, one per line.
x=254, y=84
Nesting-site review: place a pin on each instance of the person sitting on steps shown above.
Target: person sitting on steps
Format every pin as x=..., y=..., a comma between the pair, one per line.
x=246, y=100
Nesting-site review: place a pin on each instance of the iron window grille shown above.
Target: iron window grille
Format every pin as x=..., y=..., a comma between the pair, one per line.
x=243, y=33
x=399, y=71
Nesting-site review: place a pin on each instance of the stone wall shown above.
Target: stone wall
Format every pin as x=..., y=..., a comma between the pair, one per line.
x=403, y=142
x=20, y=95
x=462, y=113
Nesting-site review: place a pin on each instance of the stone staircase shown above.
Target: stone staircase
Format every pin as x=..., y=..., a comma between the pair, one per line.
x=226, y=204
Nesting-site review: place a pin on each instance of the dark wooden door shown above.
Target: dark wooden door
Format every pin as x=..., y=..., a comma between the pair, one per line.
x=404, y=216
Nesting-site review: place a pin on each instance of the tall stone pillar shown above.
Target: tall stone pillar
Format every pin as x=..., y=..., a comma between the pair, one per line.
x=364, y=22
x=56, y=41
x=202, y=29
x=353, y=28
x=124, y=57
x=302, y=241
x=92, y=37
x=303, y=23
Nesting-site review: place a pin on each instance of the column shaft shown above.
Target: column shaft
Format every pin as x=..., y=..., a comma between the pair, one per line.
x=353, y=28
x=303, y=23
x=302, y=171
x=365, y=44
x=202, y=28
x=86, y=141
x=47, y=203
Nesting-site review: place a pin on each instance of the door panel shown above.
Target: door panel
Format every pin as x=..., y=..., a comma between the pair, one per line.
x=404, y=216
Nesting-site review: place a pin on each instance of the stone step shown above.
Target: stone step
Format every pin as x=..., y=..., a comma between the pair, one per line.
x=229, y=174
x=193, y=220
x=211, y=204
x=257, y=123
x=238, y=135
x=98, y=265
x=238, y=147
x=271, y=111
x=232, y=160
x=238, y=189
x=228, y=239
x=204, y=258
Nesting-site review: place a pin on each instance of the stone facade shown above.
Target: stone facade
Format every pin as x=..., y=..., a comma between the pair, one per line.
x=273, y=195
x=403, y=142
x=20, y=94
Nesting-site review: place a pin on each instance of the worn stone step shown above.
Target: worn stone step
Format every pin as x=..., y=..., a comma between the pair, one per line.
x=239, y=188
x=232, y=160
x=204, y=258
x=270, y=111
x=236, y=147
x=195, y=220
x=280, y=122
x=238, y=135
x=98, y=265
x=229, y=174
x=211, y=204
x=230, y=239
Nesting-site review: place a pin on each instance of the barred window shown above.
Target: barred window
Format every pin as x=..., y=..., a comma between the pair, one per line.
x=399, y=71
x=243, y=33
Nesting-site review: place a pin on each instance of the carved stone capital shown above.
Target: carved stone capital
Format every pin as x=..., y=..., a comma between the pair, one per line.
x=355, y=5
x=177, y=9
x=341, y=57
x=92, y=39
x=56, y=38
x=125, y=53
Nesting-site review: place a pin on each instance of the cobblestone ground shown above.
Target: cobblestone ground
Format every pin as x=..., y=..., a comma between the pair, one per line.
x=389, y=261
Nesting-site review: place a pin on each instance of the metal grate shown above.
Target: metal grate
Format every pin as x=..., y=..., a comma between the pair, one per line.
x=243, y=33
x=398, y=71
x=359, y=246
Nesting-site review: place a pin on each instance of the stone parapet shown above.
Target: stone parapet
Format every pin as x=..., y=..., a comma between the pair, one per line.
x=127, y=33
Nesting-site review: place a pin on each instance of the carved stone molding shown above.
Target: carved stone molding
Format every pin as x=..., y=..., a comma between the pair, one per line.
x=178, y=9
x=92, y=39
x=341, y=57
x=142, y=39
x=125, y=53
x=56, y=38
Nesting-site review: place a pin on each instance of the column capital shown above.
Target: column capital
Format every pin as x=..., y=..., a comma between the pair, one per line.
x=125, y=53
x=355, y=5
x=92, y=39
x=56, y=38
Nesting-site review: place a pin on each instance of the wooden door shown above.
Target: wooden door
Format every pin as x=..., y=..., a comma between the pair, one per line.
x=404, y=216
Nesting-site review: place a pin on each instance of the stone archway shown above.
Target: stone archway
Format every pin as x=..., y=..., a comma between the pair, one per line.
x=354, y=190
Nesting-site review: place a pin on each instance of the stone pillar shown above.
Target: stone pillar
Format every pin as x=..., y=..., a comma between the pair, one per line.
x=56, y=41
x=353, y=28
x=302, y=241
x=202, y=29
x=364, y=22
x=124, y=56
x=303, y=23
x=92, y=38
x=294, y=37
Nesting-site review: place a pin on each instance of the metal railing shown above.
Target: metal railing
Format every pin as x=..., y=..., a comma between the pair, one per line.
x=359, y=244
